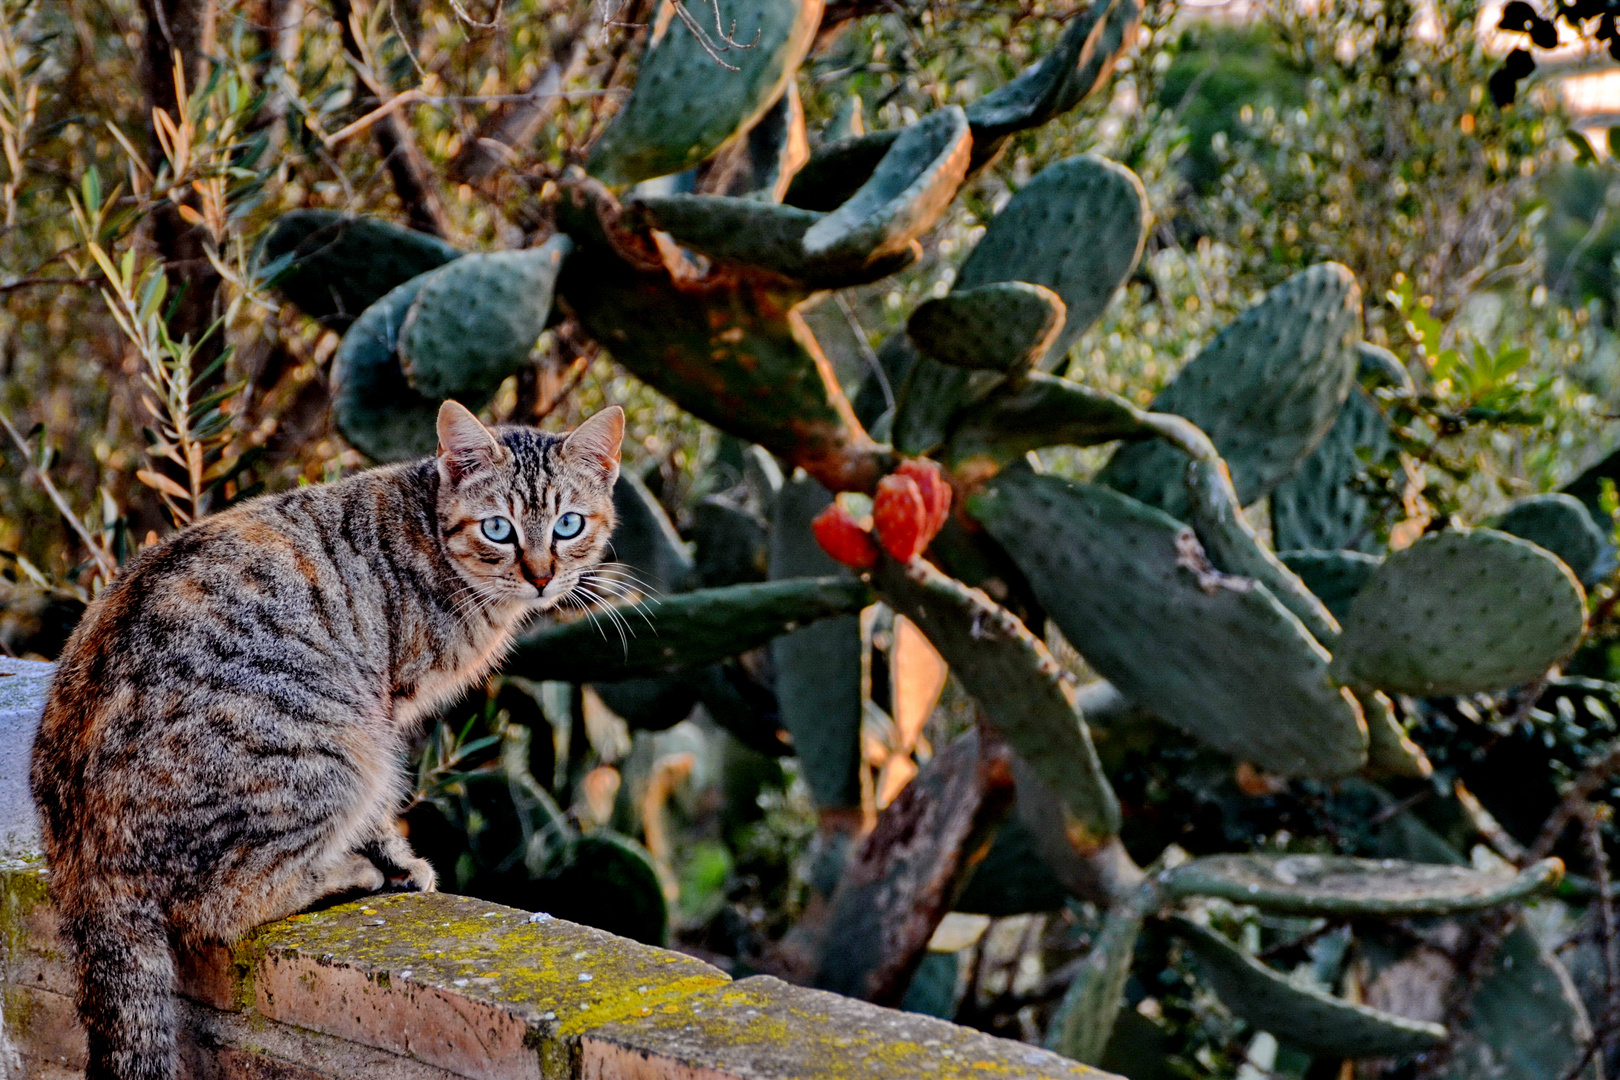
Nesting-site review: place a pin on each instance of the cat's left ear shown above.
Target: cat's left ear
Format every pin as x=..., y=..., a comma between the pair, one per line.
x=595, y=443
x=465, y=445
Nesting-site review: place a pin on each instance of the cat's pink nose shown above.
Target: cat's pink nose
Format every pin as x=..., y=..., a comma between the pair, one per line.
x=539, y=583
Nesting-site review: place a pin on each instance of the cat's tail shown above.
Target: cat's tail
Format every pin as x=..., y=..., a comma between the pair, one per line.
x=126, y=989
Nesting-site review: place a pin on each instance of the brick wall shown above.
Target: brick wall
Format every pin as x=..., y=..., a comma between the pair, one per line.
x=439, y=986
x=426, y=987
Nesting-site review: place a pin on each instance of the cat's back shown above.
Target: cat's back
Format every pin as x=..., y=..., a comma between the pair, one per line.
x=278, y=596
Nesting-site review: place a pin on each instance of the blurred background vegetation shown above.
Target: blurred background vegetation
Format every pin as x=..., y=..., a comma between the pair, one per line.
x=1269, y=139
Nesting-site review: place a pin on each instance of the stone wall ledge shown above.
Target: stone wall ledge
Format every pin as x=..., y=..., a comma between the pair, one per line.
x=424, y=987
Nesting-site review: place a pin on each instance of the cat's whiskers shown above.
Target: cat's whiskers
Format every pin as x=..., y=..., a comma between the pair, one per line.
x=622, y=628
x=621, y=575
x=625, y=585
x=609, y=601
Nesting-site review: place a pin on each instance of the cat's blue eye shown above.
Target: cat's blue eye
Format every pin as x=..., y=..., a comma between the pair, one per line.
x=498, y=529
x=569, y=525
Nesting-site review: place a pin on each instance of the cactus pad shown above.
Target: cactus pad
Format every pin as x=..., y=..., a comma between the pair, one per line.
x=1234, y=547
x=334, y=265
x=1005, y=326
x=685, y=105
x=375, y=408
x=645, y=539
x=1338, y=886
x=728, y=348
x=1323, y=505
x=818, y=668
x=910, y=188
x=776, y=148
x=1461, y=612
x=1377, y=366
x=1334, y=576
x=1055, y=84
x=1085, y=1018
x=1297, y=1014
x=838, y=169
x=689, y=628
x=1390, y=751
x=762, y=235
x=1024, y=691
x=1217, y=656
x=1266, y=390
x=1077, y=227
x=733, y=544
x=1035, y=411
x=475, y=320
x=1562, y=525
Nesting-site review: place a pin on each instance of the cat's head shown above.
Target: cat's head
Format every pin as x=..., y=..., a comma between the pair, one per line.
x=525, y=514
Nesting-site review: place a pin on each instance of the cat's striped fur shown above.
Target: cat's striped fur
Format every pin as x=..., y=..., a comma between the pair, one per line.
x=223, y=740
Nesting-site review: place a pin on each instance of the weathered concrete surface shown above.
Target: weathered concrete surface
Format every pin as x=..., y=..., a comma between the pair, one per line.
x=765, y=1029
x=482, y=991
x=22, y=696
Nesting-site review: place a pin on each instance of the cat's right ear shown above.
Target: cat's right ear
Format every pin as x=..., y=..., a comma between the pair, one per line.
x=465, y=445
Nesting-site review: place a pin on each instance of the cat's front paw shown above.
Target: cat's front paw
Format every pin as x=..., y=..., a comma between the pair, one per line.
x=416, y=875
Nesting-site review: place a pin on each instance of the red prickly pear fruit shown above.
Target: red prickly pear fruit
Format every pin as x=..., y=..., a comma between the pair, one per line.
x=842, y=537
x=900, y=517
x=936, y=492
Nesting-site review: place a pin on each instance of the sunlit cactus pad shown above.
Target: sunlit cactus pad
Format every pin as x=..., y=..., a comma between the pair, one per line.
x=910, y=188
x=1266, y=390
x=1009, y=671
x=1082, y=59
x=1461, y=612
x=685, y=105
x=1217, y=656
x=1035, y=411
x=765, y=236
x=474, y=321
x=1337, y=885
x=1077, y=228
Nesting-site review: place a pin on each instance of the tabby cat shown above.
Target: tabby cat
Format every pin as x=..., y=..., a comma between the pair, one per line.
x=223, y=741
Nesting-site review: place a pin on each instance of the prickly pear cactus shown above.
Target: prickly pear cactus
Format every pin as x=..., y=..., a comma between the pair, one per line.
x=1216, y=655
x=1293, y=663
x=333, y=266
x=1559, y=523
x=685, y=105
x=1006, y=326
x=1077, y=228
x=1461, y=612
x=375, y=406
x=474, y=321
x=1266, y=390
